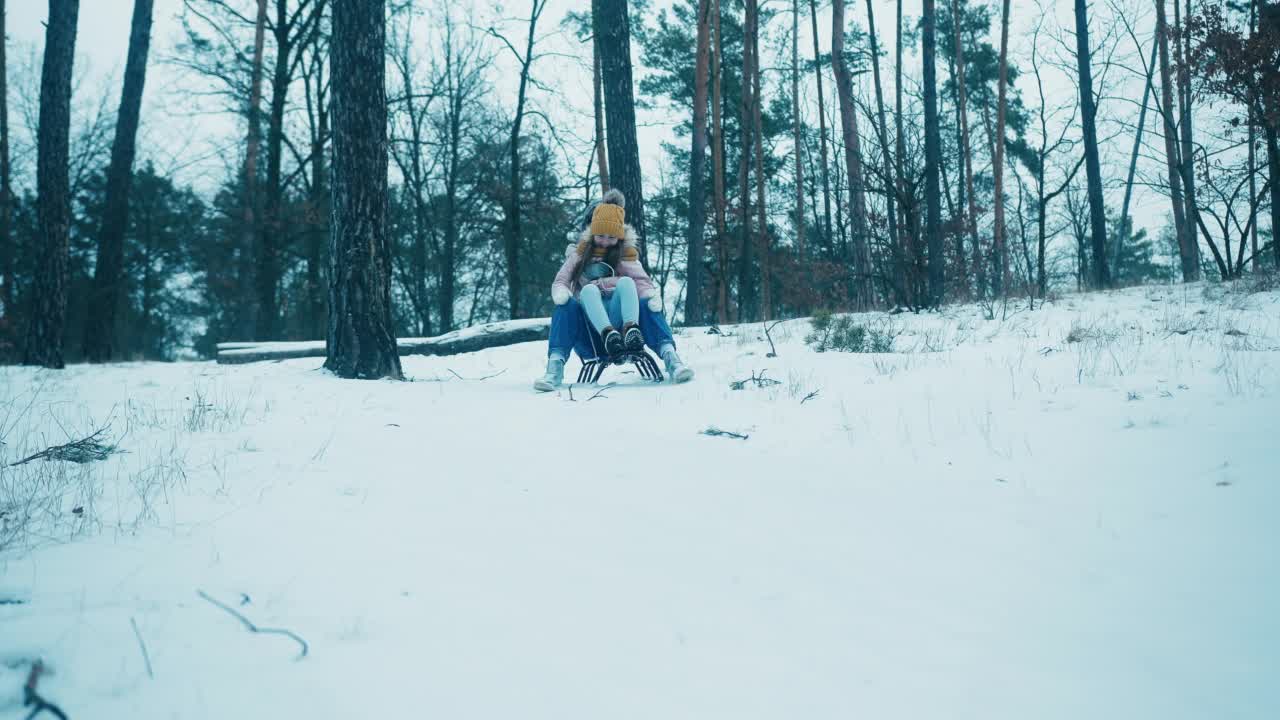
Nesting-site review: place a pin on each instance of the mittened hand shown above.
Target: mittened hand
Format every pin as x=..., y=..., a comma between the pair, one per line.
x=655, y=303
x=560, y=294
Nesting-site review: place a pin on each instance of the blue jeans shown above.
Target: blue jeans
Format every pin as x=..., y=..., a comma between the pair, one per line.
x=570, y=332
x=620, y=308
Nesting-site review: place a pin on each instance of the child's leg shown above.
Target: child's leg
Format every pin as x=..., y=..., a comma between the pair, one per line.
x=593, y=306
x=628, y=300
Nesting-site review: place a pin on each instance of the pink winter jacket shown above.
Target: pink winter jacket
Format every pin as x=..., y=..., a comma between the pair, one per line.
x=628, y=266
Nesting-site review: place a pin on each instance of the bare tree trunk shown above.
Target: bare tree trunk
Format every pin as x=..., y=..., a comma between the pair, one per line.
x=1181, y=223
x=764, y=312
x=932, y=156
x=271, y=226
x=1192, y=261
x=1093, y=169
x=798, y=220
x=890, y=179
x=694, y=291
x=966, y=150
x=717, y=170
x=613, y=28
x=318, y=232
x=1253, y=152
x=49, y=291
x=106, y=294
x=249, y=245
x=1126, y=224
x=1267, y=23
x=512, y=225
x=7, y=254
x=860, y=260
x=602, y=155
x=1002, y=254
x=909, y=239
x=822, y=131
x=361, y=339
x=745, y=293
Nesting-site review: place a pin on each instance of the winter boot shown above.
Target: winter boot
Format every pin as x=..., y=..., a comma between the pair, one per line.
x=554, y=377
x=632, y=337
x=613, y=342
x=676, y=369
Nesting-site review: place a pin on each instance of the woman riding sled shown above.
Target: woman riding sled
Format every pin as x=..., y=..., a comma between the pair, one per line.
x=602, y=275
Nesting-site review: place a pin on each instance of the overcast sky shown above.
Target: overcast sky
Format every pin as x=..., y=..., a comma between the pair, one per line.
x=198, y=144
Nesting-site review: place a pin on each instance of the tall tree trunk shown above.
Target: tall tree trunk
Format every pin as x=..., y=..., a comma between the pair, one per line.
x=822, y=131
x=361, y=339
x=271, y=227
x=966, y=151
x=108, y=278
x=452, y=233
x=798, y=220
x=613, y=28
x=745, y=289
x=1002, y=253
x=860, y=260
x=1192, y=261
x=886, y=152
x=932, y=156
x=1253, y=151
x=909, y=238
x=1093, y=169
x=53, y=188
x=250, y=249
x=597, y=105
x=1269, y=18
x=1126, y=224
x=320, y=208
x=1181, y=223
x=970, y=210
x=511, y=243
x=764, y=312
x=7, y=254
x=694, y=291
x=717, y=171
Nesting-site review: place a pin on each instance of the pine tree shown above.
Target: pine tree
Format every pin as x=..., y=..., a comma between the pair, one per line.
x=49, y=292
x=361, y=340
x=105, y=297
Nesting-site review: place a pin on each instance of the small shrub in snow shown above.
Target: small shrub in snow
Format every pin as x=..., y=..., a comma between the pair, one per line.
x=842, y=334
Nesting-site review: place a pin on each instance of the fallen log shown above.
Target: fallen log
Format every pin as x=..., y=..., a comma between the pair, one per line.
x=472, y=339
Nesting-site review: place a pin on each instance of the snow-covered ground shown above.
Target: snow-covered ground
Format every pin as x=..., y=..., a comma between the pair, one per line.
x=1066, y=513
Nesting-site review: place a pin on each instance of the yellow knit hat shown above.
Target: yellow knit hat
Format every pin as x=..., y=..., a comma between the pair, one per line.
x=609, y=217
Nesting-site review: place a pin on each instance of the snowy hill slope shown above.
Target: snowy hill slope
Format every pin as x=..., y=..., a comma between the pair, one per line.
x=1067, y=513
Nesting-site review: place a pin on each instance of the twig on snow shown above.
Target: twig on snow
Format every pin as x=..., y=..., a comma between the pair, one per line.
x=146, y=658
x=486, y=377
x=32, y=698
x=248, y=624
x=810, y=396
x=773, y=351
x=600, y=393
x=84, y=450
x=717, y=432
x=758, y=378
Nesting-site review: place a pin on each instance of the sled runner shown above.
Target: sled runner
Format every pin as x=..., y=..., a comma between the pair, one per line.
x=644, y=363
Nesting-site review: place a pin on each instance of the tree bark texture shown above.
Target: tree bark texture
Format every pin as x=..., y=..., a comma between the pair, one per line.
x=613, y=28
x=48, y=308
x=361, y=340
x=108, y=278
x=1093, y=170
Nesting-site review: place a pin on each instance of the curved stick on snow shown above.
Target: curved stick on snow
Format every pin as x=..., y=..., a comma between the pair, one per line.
x=31, y=698
x=248, y=624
